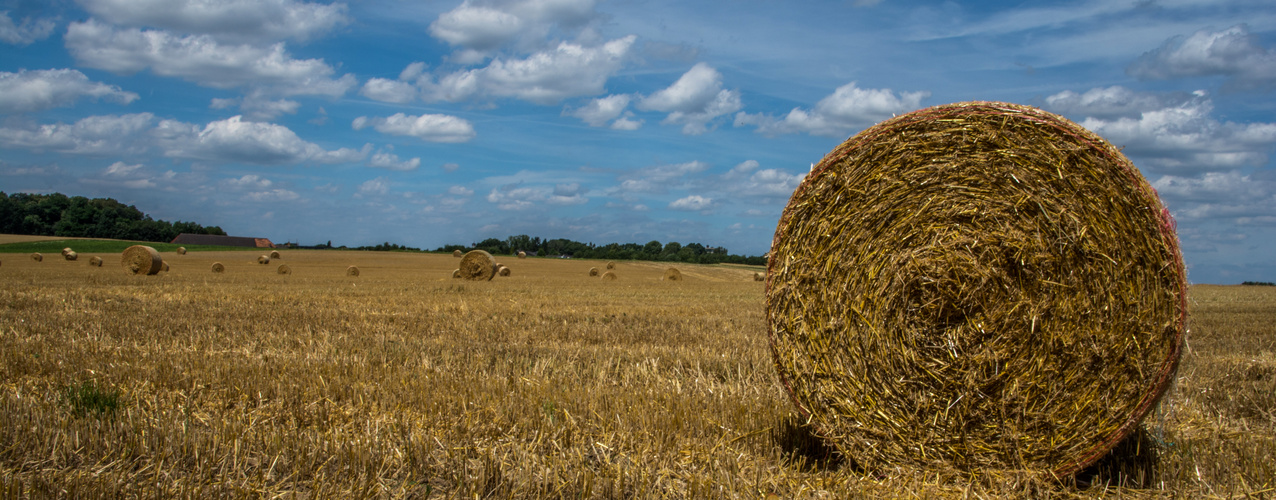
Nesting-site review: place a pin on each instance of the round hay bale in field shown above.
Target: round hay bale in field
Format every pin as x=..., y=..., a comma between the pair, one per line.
x=611, y=265
x=478, y=265
x=37, y=256
x=218, y=268
x=71, y=255
x=456, y=273
x=976, y=286
x=673, y=274
x=66, y=250
x=164, y=266
x=274, y=254
x=758, y=277
x=95, y=261
x=457, y=254
x=593, y=271
x=283, y=269
x=503, y=271
x=609, y=276
x=181, y=250
x=263, y=259
x=141, y=260
x=522, y=254
x=352, y=271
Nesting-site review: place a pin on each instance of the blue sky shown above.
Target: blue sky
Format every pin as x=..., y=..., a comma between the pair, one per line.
x=436, y=122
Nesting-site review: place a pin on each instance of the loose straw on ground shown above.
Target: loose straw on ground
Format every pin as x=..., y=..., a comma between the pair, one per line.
x=478, y=265
x=141, y=260
x=975, y=287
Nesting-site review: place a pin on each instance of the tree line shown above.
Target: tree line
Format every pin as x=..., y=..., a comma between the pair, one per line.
x=57, y=214
x=673, y=251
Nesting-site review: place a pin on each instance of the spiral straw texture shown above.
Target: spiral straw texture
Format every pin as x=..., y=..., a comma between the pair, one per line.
x=976, y=286
x=478, y=265
x=141, y=260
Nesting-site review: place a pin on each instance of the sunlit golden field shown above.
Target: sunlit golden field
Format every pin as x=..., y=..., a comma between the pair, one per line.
x=404, y=382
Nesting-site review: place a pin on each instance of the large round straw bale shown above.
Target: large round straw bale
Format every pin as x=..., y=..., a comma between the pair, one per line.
x=503, y=271
x=263, y=259
x=976, y=286
x=141, y=259
x=181, y=250
x=478, y=265
x=95, y=261
x=71, y=255
x=283, y=269
x=37, y=256
x=611, y=265
x=456, y=273
x=673, y=274
x=352, y=271
x=218, y=268
x=274, y=254
x=609, y=276
x=457, y=254
x=593, y=271
x=522, y=254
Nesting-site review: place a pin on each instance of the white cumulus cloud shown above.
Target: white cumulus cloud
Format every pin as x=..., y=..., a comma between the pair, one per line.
x=1233, y=53
x=427, y=127
x=848, y=109
x=36, y=90
x=26, y=33
x=692, y=203
x=390, y=161
x=235, y=140
x=103, y=134
x=227, y=19
x=695, y=99
x=546, y=77
x=202, y=59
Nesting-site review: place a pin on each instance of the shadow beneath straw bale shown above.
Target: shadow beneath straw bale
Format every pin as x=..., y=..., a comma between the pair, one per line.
x=803, y=448
x=1132, y=463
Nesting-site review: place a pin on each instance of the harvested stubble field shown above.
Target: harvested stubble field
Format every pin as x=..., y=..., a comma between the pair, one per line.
x=404, y=382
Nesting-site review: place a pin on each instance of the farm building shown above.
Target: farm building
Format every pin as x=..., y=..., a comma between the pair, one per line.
x=226, y=241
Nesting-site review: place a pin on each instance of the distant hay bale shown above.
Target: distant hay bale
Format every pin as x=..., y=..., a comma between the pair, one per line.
x=478, y=265
x=611, y=265
x=457, y=253
x=263, y=259
x=141, y=260
x=274, y=254
x=67, y=250
x=352, y=271
x=522, y=254
x=593, y=271
x=218, y=268
x=503, y=271
x=976, y=286
x=673, y=274
x=283, y=269
x=37, y=257
x=609, y=276
x=758, y=277
x=164, y=266
x=456, y=273
x=181, y=250
x=71, y=255
x=95, y=261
